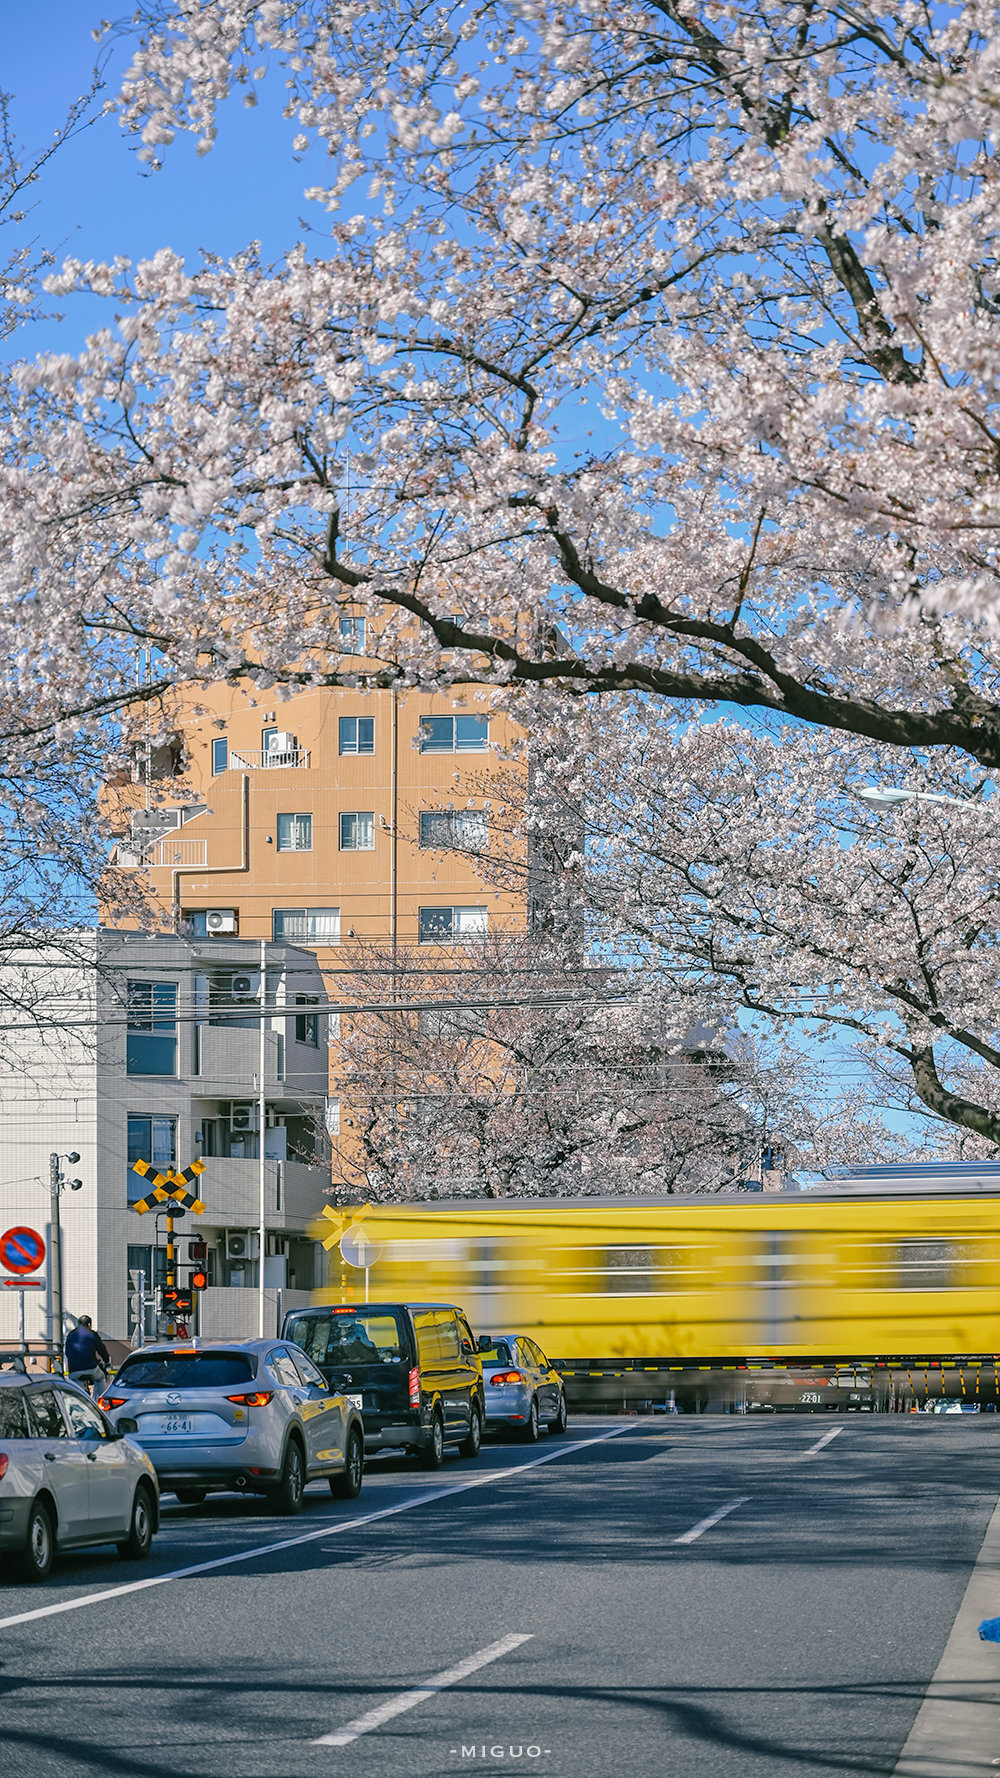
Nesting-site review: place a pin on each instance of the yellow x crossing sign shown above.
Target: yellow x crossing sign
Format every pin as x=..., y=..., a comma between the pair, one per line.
x=169, y=1187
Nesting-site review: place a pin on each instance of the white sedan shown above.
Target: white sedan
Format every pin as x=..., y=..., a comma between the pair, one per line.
x=68, y=1478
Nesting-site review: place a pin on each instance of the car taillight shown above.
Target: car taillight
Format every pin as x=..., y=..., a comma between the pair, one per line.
x=507, y=1377
x=3, y=1464
x=415, y=1387
x=256, y=1398
x=112, y=1401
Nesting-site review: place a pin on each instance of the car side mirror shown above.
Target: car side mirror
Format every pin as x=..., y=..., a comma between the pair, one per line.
x=466, y=1347
x=125, y=1426
x=483, y=1343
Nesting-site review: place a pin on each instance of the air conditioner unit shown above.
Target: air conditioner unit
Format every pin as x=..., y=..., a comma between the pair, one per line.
x=245, y=985
x=220, y=920
x=281, y=742
x=243, y=1116
x=241, y=1245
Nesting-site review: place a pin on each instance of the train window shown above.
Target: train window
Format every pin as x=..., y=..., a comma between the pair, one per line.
x=630, y=1270
x=929, y=1265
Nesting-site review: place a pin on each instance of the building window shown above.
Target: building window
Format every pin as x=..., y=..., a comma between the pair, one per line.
x=307, y=1023
x=459, y=830
x=333, y=1117
x=357, y=734
x=220, y=756
x=357, y=833
x=352, y=635
x=447, y=926
x=151, y=1038
x=295, y=833
x=152, y=1139
x=306, y=926
x=454, y=734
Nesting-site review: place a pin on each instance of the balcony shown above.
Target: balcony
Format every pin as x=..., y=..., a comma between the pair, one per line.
x=258, y=759
x=228, y=1057
x=230, y=1190
x=169, y=853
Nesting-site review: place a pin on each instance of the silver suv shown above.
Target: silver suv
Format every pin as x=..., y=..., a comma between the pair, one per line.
x=254, y=1415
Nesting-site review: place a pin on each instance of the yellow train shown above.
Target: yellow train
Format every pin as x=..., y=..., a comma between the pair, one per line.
x=906, y=1272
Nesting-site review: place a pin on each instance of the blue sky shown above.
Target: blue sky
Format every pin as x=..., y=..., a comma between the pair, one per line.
x=94, y=200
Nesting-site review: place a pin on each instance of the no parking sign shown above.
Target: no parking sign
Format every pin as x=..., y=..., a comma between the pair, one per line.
x=21, y=1250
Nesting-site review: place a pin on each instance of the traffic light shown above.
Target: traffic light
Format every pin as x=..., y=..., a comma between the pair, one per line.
x=176, y=1301
x=198, y=1281
x=197, y=1250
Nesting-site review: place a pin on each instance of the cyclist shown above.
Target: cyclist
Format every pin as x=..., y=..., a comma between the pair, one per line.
x=87, y=1357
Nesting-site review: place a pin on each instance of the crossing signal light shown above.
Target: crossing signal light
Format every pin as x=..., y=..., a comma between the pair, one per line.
x=197, y=1250
x=176, y=1300
x=198, y=1280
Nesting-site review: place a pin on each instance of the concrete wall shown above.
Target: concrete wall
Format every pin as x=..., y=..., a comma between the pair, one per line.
x=233, y=1314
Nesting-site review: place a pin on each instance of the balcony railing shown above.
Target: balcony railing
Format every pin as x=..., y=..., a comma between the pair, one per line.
x=258, y=759
x=169, y=853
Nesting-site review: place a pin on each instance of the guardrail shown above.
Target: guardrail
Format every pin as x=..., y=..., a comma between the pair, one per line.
x=167, y=852
x=268, y=759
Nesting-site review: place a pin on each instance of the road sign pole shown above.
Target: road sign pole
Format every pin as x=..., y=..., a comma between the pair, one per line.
x=55, y=1183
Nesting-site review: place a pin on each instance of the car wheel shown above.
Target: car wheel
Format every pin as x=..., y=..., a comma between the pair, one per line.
x=529, y=1433
x=432, y=1454
x=286, y=1498
x=470, y=1444
x=136, y=1545
x=559, y=1423
x=40, y=1548
x=190, y=1496
x=347, y=1485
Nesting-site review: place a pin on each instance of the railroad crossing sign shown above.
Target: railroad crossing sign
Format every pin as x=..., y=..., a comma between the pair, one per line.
x=358, y=1248
x=169, y=1188
x=21, y=1250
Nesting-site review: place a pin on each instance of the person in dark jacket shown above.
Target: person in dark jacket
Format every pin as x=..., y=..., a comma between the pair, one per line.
x=87, y=1356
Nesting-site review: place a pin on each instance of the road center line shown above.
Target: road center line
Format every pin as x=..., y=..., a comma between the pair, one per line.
x=373, y=1719
x=288, y=1543
x=713, y=1519
x=827, y=1439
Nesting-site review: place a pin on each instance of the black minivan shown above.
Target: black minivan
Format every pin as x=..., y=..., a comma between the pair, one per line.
x=412, y=1369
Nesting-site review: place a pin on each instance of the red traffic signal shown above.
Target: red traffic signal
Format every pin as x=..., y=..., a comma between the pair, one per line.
x=198, y=1280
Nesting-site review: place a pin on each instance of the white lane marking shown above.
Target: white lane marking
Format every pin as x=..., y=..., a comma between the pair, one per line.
x=287, y=1543
x=713, y=1519
x=827, y=1439
x=373, y=1719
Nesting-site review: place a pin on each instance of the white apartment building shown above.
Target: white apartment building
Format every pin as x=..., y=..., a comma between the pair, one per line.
x=119, y=1046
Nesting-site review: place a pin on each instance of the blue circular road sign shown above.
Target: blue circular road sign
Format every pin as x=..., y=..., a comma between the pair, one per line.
x=21, y=1250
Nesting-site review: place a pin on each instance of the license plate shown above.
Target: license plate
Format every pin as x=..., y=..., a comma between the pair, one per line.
x=356, y=1401
x=176, y=1423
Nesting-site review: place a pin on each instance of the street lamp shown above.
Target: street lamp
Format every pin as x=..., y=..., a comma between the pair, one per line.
x=57, y=1185
x=889, y=796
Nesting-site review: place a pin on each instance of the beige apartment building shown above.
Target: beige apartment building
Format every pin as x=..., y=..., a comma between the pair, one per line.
x=329, y=816
x=328, y=819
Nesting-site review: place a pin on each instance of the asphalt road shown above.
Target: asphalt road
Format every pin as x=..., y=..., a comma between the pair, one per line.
x=792, y=1633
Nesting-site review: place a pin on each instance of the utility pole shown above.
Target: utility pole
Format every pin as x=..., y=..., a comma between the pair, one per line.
x=57, y=1185
x=261, y=1127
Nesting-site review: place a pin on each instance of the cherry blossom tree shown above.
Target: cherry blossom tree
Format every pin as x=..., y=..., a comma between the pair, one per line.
x=744, y=866
x=657, y=348
x=509, y=1067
